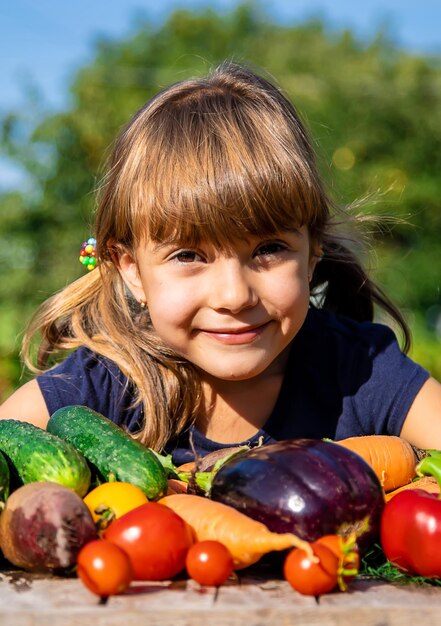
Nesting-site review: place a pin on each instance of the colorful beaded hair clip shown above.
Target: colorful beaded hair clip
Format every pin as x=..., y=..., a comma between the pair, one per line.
x=88, y=254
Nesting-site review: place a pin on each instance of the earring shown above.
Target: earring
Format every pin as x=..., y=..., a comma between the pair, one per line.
x=143, y=304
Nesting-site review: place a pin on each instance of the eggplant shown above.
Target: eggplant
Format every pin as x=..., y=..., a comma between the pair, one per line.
x=307, y=487
x=199, y=477
x=214, y=460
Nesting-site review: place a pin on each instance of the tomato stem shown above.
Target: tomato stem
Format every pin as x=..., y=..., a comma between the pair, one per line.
x=106, y=515
x=348, y=564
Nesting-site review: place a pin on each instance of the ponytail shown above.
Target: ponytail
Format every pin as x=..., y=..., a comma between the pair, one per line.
x=342, y=286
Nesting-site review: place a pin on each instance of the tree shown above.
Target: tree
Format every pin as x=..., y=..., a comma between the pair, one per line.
x=374, y=110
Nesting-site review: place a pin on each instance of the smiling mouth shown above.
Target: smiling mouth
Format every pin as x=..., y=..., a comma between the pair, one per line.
x=236, y=336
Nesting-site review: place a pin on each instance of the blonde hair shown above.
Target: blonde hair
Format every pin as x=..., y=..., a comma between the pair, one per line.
x=206, y=159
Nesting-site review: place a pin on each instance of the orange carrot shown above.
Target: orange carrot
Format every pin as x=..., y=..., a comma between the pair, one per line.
x=176, y=486
x=391, y=458
x=427, y=483
x=246, y=539
x=187, y=467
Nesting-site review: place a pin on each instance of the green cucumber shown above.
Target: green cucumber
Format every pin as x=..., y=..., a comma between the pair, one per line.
x=110, y=450
x=35, y=455
x=4, y=479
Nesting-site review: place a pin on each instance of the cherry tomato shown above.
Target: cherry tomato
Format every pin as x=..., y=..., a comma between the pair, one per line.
x=209, y=563
x=308, y=577
x=345, y=549
x=104, y=568
x=156, y=539
x=111, y=500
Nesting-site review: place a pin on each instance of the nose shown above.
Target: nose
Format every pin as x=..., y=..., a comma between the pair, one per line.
x=232, y=287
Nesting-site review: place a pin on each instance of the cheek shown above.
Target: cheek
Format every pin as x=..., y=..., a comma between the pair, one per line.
x=291, y=291
x=169, y=307
x=291, y=303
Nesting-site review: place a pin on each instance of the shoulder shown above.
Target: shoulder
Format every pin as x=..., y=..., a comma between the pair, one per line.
x=83, y=370
x=87, y=378
x=83, y=358
x=345, y=378
x=331, y=328
x=347, y=344
x=362, y=352
x=27, y=405
x=378, y=381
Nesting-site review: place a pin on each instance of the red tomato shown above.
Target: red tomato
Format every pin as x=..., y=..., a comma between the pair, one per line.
x=410, y=532
x=209, y=563
x=308, y=577
x=345, y=549
x=104, y=568
x=156, y=539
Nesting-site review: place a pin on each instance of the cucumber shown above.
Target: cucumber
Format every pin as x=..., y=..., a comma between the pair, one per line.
x=111, y=451
x=4, y=479
x=35, y=455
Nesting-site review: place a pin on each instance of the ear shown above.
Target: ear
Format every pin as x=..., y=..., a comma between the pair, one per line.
x=315, y=257
x=128, y=269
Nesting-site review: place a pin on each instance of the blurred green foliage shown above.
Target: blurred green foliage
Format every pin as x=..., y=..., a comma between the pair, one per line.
x=374, y=111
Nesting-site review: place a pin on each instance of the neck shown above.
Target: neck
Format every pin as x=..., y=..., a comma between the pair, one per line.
x=234, y=411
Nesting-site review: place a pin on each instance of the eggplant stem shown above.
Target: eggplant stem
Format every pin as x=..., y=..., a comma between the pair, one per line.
x=204, y=480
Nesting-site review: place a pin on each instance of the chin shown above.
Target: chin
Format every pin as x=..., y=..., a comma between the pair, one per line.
x=239, y=375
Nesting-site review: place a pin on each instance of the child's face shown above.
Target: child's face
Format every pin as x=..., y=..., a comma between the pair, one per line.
x=231, y=313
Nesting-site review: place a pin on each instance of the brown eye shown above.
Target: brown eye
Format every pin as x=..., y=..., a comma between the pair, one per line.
x=187, y=256
x=270, y=248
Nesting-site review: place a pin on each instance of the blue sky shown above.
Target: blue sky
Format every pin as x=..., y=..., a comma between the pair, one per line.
x=43, y=42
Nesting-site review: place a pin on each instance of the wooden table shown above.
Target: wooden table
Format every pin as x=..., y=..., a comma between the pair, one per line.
x=36, y=600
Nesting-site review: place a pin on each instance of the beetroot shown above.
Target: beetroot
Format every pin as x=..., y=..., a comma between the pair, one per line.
x=43, y=527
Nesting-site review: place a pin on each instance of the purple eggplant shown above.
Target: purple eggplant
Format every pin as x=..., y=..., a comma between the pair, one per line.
x=305, y=486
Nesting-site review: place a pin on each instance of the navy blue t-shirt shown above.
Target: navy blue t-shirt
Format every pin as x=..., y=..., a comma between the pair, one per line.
x=343, y=379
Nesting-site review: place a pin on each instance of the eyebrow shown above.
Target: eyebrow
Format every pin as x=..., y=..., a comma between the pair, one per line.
x=291, y=231
x=160, y=245
x=294, y=231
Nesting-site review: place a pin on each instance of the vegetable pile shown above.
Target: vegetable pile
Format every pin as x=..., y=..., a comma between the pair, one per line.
x=85, y=497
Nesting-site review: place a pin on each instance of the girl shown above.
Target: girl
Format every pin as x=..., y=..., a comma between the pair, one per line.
x=214, y=238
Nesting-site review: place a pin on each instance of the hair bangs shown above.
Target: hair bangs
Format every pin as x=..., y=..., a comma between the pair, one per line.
x=214, y=159
x=219, y=182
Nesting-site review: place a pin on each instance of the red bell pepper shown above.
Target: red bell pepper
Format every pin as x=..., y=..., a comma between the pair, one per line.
x=410, y=528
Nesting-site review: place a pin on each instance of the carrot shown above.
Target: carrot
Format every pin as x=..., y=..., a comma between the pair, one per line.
x=187, y=467
x=246, y=539
x=427, y=483
x=391, y=458
x=176, y=486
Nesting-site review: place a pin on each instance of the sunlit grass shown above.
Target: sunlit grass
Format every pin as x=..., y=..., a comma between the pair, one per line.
x=375, y=565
